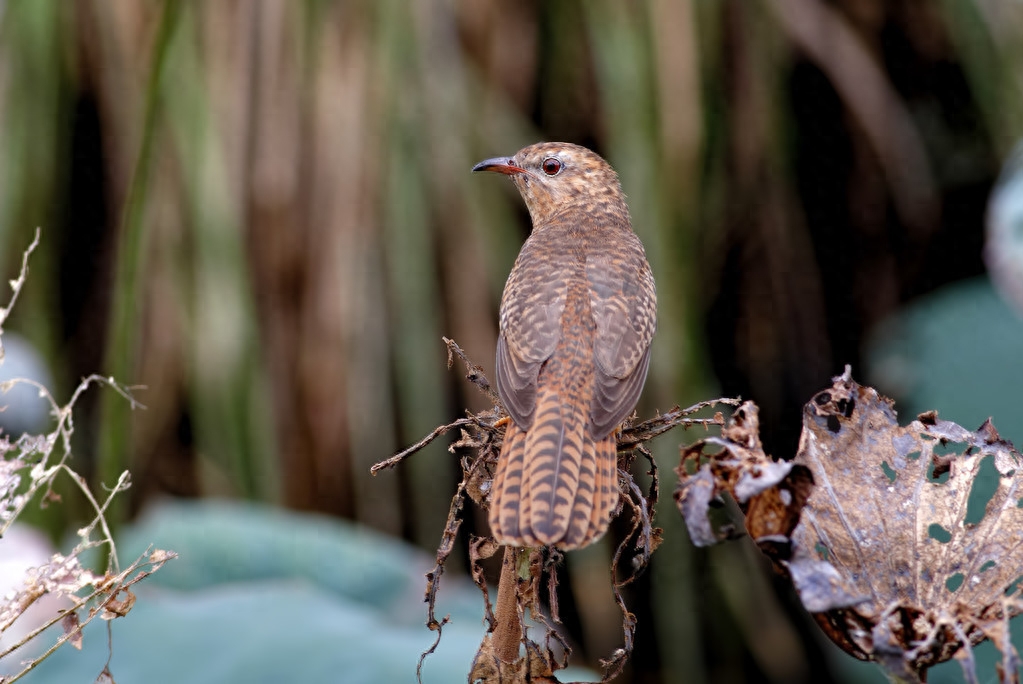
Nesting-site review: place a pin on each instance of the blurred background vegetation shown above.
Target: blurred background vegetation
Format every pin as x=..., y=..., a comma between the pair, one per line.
x=263, y=212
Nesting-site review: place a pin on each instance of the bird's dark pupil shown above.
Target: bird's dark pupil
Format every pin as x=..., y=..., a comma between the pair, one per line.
x=551, y=166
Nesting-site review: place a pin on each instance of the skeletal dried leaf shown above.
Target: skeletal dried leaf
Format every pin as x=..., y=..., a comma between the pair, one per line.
x=919, y=575
x=884, y=530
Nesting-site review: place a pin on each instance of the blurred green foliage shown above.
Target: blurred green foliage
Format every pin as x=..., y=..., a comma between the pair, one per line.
x=263, y=213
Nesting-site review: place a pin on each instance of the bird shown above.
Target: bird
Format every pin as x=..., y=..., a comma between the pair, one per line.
x=577, y=317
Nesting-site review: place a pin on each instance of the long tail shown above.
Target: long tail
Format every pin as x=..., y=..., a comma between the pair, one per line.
x=554, y=484
x=506, y=500
x=555, y=481
x=605, y=488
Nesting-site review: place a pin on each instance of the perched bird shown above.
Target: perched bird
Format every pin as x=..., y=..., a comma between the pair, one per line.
x=577, y=316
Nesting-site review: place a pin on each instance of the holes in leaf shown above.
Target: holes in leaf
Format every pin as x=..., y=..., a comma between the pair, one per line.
x=936, y=531
x=1019, y=504
x=822, y=551
x=846, y=407
x=938, y=473
x=984, y=486
x=913, y=455
x=888, y=472
x=1011, y=589
x=943, y=448
x=954, y=581
x=987, y=566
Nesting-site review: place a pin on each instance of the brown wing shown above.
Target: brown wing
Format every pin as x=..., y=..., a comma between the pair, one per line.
x=624, y=305
x=531, y=307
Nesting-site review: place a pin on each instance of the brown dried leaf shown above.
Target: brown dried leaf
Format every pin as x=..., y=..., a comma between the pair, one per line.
x=105, y=677
x=877, y=525
x=72, y=629
x=480, y=549
x=488, y=668
x=117, y=607
x=884, y=547
x=739, y=467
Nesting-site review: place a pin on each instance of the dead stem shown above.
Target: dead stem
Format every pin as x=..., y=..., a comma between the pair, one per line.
x=401, y=456
x=508, y=631
x=481, y=437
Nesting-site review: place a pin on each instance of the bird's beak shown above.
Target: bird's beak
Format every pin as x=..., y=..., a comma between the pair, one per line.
x=503, y=165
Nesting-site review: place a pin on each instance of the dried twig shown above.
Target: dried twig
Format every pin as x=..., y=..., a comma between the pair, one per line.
x=16, y=285
x=433, y=577
x=482, y=434
x=632, y=436
x=437, y=432
x=28, y=467
x=474, y=373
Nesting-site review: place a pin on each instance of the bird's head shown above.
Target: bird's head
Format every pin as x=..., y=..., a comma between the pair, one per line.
x=554, y=177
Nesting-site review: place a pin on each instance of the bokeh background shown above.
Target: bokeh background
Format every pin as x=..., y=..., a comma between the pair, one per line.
x=262, y=212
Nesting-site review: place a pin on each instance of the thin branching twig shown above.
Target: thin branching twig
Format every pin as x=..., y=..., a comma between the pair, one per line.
x=482, y=434
x=16, y=285
x=36, y=458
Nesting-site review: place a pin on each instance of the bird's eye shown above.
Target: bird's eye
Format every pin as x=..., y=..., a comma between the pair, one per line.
x=551, y=166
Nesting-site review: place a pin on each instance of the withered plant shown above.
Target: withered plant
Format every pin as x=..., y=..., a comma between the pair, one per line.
x=29, y=467
x=886, y=533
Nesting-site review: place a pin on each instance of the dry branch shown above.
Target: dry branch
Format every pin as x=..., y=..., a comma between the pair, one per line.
x=29, y=467
x=481, y=434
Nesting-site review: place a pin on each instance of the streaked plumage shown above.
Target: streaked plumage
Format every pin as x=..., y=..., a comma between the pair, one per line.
x=577, y=317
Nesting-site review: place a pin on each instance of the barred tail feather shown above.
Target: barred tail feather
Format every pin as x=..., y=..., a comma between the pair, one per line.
x=554, y=446
x=605, y=497
x=506, y=493
x=582, y=508
x=553, y=484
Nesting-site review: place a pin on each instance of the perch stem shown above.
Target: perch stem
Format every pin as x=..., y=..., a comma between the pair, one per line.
x=508, y=631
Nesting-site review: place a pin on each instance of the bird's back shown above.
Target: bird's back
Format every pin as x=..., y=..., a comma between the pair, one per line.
x=561, y=452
